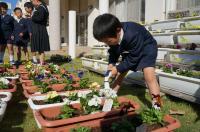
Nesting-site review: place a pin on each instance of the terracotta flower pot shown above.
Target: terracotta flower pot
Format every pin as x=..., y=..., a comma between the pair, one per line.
x=24, y=81
x=12, y=88
x=57, y=75
x=30, y=89
x=2, y=69
x=90, y=120
x=76, y=85
x=25, y=76
x=58, y=87
x=173, y=124
x=76, y=79
x=11, y=70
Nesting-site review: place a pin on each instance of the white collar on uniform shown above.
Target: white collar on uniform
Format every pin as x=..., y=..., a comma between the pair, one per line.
x=18, y=19
x=121, y=36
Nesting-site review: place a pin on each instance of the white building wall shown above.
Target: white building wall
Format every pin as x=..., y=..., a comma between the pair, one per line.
x=154, y=10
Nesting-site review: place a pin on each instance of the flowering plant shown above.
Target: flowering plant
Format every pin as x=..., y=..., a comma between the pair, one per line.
x=168, y=68
x=4, y=83
x=108, y=93
x=54, y=68
x=53, y=97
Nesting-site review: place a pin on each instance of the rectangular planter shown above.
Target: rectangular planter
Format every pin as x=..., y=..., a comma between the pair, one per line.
x=98, y=66
x=195, y=21
x=7, y=97
x=167, y=25
x=185, y=37
x=43, y=97
x=103, y=51
x=92, y=120
x=180, y=86
x=164, y=38
x=184, y=58
x=11, y=90
x=87, y=62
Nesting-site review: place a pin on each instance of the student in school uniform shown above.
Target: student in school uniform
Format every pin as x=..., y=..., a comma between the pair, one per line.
x=20, y=34
x=29, y=12
x=40, y=38
x=7, y=25
x=136, y=46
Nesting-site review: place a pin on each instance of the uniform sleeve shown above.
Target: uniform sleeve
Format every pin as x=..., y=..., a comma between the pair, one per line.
x=113, y=55
x=39, y=15
x=134, y=55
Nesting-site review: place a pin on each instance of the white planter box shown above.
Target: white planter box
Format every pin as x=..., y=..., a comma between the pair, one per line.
x=43, y=97
x=180, y=86
x=103, y=51
x=135, y=78
x=103, y=66
x=184, y=58
x=195, y=21
x=3, y=106
x=98, y=66
x=164, y=38
x=185, y=37
x=87, y=62
x=8, y=96
x=166, y=25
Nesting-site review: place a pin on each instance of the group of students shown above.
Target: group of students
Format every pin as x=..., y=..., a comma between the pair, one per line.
x=17, y=31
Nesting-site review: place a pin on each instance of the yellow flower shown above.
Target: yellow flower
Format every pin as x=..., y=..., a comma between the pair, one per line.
x=52, y=95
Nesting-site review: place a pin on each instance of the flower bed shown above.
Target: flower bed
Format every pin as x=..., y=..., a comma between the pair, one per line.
x=182, y=83
x=39, y=102
x=6, y=86
x=48, y=117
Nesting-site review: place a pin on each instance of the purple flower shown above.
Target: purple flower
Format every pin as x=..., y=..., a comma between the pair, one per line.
x=169, y=65
x=178, y=46
x=80, y=74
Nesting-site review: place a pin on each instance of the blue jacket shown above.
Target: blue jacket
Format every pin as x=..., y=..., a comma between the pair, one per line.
x=7, y=26
x=138, y=48
x=21, y=27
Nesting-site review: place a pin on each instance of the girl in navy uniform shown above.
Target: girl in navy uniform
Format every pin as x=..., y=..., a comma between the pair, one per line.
x=20, y=34
x=29, y=12
x=7, y=25
x=40, y=38
x=137, y=48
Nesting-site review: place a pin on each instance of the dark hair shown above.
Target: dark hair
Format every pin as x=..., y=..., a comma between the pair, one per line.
x=17, y=8
x=29, y=5
x=106, y=26
x=4, y=5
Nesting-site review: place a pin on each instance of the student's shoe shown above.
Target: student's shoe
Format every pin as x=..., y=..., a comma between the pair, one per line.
x=1, y=62
x=12, y=62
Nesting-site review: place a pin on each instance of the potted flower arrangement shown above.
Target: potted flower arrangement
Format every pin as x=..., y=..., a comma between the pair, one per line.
x=6, y=86
x=155, y=121
x=183, y=83
x=68, y=116
x=60, y=58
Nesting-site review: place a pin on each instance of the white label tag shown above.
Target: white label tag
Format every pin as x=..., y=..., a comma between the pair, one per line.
x=107, y=105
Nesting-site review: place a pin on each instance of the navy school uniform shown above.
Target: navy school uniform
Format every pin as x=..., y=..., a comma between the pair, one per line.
x=138, y=49
x=7, y=26
x=21, y=26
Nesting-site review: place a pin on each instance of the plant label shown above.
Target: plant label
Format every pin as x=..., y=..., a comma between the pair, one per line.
x=107, y=105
